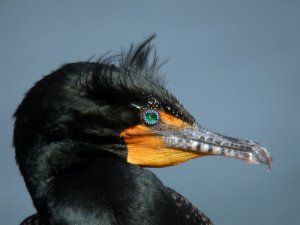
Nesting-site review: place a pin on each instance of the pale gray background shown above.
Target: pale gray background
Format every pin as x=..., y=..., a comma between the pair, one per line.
x=234, y=64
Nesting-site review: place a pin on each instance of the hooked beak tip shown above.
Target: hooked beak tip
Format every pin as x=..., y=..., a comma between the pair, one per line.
x=264, y=157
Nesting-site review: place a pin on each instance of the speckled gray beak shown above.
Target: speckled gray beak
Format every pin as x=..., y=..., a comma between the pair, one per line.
x=199, y=139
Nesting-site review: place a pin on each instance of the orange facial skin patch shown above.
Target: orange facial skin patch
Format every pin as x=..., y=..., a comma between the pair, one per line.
x=172, y=121
x=145, y=148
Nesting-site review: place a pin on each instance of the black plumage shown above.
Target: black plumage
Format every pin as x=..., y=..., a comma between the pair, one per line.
x=73, y=157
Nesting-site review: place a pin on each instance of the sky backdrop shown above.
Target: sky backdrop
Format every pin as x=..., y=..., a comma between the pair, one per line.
x=235, y=65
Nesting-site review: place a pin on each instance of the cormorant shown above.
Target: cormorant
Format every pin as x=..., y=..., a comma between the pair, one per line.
x=84, y=133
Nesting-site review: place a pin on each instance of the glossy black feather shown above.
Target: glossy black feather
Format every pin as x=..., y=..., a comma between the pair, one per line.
x=117, y=193
x=71, y=155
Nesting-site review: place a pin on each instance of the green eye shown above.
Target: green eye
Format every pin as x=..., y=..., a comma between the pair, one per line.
x=151, y=117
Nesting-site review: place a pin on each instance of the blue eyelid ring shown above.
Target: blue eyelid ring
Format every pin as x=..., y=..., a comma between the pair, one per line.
x=151, y=117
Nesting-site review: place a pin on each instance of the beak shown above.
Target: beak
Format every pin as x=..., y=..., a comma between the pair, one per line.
x=204, y=142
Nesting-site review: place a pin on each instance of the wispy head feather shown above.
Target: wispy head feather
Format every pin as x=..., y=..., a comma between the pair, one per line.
x=131, y=77
x=138, y=58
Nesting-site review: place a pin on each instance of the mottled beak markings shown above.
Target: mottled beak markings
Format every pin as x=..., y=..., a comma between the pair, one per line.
x=206, y=142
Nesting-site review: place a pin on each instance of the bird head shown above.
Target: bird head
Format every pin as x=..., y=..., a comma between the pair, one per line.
x=117, y=107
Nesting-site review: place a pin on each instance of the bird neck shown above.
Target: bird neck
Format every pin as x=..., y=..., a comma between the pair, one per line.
x=60, y=158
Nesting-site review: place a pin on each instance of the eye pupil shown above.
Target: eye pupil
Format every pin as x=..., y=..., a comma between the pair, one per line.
x=151, y=117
